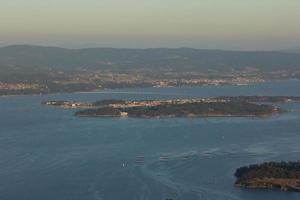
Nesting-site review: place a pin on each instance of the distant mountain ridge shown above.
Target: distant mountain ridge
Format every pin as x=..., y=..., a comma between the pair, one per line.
x=37, y=59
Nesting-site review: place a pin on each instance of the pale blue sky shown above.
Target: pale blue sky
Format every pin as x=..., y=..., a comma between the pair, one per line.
x=225, y=24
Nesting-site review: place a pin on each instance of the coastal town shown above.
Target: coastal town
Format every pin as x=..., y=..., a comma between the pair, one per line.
x=18, y=86
x=106, y=80
x=151, y=103
x=128, y=104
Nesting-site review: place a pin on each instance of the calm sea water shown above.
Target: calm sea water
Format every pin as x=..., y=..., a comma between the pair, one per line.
x=48, y=154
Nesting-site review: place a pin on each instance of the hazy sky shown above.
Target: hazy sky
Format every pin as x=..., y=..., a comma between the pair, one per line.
x=225, y=24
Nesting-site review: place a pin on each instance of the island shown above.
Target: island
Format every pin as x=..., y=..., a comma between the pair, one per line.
x=186, y=109
x=123, y=103
x=225, y=106
x=270, y=175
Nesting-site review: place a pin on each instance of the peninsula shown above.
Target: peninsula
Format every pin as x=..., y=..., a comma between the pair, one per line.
x=272, y=175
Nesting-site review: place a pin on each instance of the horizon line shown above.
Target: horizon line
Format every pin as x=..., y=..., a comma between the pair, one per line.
x=144, y=48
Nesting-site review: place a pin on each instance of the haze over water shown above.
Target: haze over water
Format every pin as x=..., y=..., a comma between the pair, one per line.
x=47, y=153
x=205, y=24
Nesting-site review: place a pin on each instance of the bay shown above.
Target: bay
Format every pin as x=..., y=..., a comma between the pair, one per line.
x=47, y=153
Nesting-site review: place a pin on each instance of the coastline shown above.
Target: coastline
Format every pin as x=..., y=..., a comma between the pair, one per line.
x=110, y=89
x=284, y=176
x=282, y=184
x=134, y=87
x=179, y=117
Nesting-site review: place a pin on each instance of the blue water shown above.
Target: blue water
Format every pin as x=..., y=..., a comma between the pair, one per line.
x=48, y=154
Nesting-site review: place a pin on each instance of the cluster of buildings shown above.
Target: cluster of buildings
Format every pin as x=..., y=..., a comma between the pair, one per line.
x=232, y=81
x=106, y=79
x=152, y=103
x=68, y=104
x=18, y=86
x=204, y=81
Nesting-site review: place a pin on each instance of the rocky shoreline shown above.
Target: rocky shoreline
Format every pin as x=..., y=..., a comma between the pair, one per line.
x=284, y=176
